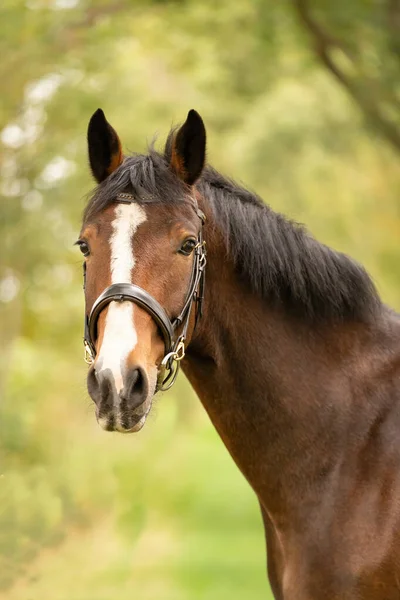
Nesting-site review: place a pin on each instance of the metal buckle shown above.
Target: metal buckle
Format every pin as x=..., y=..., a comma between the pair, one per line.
x=88, y=355
x=202, y=261
x=179, y=350
x=200, y=245
x=175, y=355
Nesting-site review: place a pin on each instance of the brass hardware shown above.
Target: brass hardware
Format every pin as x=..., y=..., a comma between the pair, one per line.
x=88, y=356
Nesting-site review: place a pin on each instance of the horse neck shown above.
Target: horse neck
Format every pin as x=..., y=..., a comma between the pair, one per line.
x=275, y=388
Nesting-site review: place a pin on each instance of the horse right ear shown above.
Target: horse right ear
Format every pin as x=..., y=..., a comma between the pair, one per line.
x=104, y=146
x=186, y=150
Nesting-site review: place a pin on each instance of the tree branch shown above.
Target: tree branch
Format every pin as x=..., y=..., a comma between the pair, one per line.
x=324, y=43
x=393, y=24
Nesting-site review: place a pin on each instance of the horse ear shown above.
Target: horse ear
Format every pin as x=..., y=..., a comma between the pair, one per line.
x=188, y=149
x=105, y=151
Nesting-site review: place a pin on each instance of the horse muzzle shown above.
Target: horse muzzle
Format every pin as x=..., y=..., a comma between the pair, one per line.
x=123, y=409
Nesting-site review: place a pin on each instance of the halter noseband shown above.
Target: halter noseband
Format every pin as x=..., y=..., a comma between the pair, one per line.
x=120, y=292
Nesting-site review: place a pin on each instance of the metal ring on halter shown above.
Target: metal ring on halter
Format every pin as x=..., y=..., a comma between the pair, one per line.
x=170, y=359
x=165, y=382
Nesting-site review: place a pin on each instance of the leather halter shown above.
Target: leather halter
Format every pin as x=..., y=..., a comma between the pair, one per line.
x=120, y=292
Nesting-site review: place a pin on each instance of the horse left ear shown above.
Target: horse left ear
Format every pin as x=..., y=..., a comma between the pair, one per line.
x=105, y=151
x=188, y=149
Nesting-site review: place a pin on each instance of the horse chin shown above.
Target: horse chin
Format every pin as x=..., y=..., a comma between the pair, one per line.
x=123, y=423
x=138, y=418
x=137, y=427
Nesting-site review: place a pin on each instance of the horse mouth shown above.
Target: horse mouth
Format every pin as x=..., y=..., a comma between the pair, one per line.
x=124, y=422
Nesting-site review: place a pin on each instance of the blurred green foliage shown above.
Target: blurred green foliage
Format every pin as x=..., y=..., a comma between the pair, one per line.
x=301, y=102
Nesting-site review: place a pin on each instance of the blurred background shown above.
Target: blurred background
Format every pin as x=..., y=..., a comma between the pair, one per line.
x=301, y=101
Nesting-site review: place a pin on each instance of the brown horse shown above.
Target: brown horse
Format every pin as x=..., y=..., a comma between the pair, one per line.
x=295, y=358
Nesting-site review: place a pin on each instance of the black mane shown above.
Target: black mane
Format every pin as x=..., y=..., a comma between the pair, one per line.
x=277, y=257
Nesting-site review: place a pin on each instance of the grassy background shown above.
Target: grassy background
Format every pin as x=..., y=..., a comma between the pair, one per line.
x=164, y=514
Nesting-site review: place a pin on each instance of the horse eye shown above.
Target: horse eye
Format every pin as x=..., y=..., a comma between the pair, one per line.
x=84, y=248
x=188, y=246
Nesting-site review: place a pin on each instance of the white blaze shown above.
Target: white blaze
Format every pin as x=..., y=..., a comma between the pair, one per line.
x=120, y=336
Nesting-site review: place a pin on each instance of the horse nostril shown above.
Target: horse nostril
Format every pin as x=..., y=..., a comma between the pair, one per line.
x=135, y=389
x=101, y=389
x=136, y=378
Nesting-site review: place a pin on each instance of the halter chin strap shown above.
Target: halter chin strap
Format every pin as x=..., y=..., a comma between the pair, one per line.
x=121, y=292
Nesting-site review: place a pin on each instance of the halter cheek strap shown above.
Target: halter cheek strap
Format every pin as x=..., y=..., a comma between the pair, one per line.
x=121, y=292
